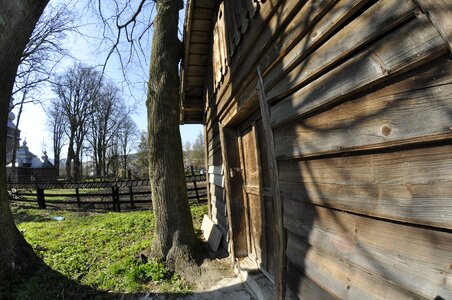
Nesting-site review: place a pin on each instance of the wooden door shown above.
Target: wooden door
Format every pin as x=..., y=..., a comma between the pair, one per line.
x=257, y=195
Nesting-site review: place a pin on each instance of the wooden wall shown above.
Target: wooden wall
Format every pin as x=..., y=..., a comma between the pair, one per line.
x=360, y=94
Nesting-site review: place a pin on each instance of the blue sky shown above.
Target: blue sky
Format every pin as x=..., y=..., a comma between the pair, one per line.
x=88, y=49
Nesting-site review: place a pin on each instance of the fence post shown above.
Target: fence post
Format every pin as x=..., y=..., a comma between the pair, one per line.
x=118, y=204
x=194, y=183
x=113, y=197
x=132, y=204
x=77, y=195
x=41, y=197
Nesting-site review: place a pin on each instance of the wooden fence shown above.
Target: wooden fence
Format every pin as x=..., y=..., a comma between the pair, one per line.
x=109, y=195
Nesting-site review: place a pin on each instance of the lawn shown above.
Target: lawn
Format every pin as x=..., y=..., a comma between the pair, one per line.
x=100, y=251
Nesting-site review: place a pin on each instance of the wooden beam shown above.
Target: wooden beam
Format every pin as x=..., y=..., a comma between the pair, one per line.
x=280, y=257
x=228, y=190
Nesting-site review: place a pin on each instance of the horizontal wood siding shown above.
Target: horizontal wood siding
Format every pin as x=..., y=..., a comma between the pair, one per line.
x=216, y=190
x=360, y=94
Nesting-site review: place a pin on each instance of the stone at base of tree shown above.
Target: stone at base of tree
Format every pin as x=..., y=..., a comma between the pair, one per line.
x=211, y=233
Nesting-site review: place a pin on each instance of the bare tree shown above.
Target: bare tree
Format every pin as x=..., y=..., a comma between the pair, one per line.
x=42, y=53
x=57, y=123
x=108, y=114
x=128, y=136
x=17, y=21
x=141, y=163
x=77, y=90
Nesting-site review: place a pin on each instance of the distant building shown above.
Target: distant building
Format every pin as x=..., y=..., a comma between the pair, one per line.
x=31, y=168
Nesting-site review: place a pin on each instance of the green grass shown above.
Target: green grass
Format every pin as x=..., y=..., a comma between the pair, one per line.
x=101, y=251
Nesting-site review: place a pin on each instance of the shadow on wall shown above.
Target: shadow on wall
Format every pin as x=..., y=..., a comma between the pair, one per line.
x=355, y=164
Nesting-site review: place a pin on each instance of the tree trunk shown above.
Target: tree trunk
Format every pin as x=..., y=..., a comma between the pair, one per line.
x=175, y=240
x=70, y=157
x=17, y=21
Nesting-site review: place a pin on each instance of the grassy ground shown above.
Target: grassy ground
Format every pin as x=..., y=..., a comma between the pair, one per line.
x=99, y=251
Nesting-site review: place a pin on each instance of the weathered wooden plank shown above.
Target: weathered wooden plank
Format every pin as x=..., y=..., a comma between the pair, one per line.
x=411, y=186
x=280, y=261
x=214, y=143
x=202, y=37
x=217, y=170
x=440, y=13
x=217, y=216
x=373, y=23
x=388, y=117
x=196, y=70
x=338, y=277
x=304, y=287
x=234, y=198
x=413, y=258
x=197, y=60
x=201, y=25
x=202, y=13
x=197, y=48
x=195, y=81
x=216, y=179
x=256, y=33
x=217, y=192
x=300, y=27
x=412, y=45
x=204, y=4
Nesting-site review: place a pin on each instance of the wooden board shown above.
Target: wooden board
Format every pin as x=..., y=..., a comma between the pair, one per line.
x=414, y=44
x=415, y=109
x=217, y=170
x=299, y=26
x=439, y=12
x=211, y=233
x=216, y=179
x=412, y=258
x=410, y=186
x=339, y=278
x=303, y=286
x=373, y=23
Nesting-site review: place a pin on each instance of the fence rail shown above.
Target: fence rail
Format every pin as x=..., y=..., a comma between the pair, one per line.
x=110, y=195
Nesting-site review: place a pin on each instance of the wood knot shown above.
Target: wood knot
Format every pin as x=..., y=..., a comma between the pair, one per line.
x=386, y=130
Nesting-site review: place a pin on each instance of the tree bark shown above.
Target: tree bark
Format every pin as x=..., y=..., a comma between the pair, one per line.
x=175, y=239
x=17, y=21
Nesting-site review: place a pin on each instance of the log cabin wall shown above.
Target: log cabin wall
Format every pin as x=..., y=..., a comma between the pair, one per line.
x=360, y=100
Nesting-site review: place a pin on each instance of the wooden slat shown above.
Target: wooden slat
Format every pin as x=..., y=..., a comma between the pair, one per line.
x=304, y=287
x=279, y=234
x=197, y=60
x=197, y=48
x=373, y=23
x=412, y=186
x=204, y=3
x=202, y=37
x=412, y=45
x=196, y=70
x=415, y=109
x=413, y=258
x=216, y=179
x=217, y=192
x=270, y=12
x=202, y=13
x=195, y=81
x=337, y=277
x=300, y=28
x=217, y=170
x=315, y=35
x=201, y=25
x=440, y=13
